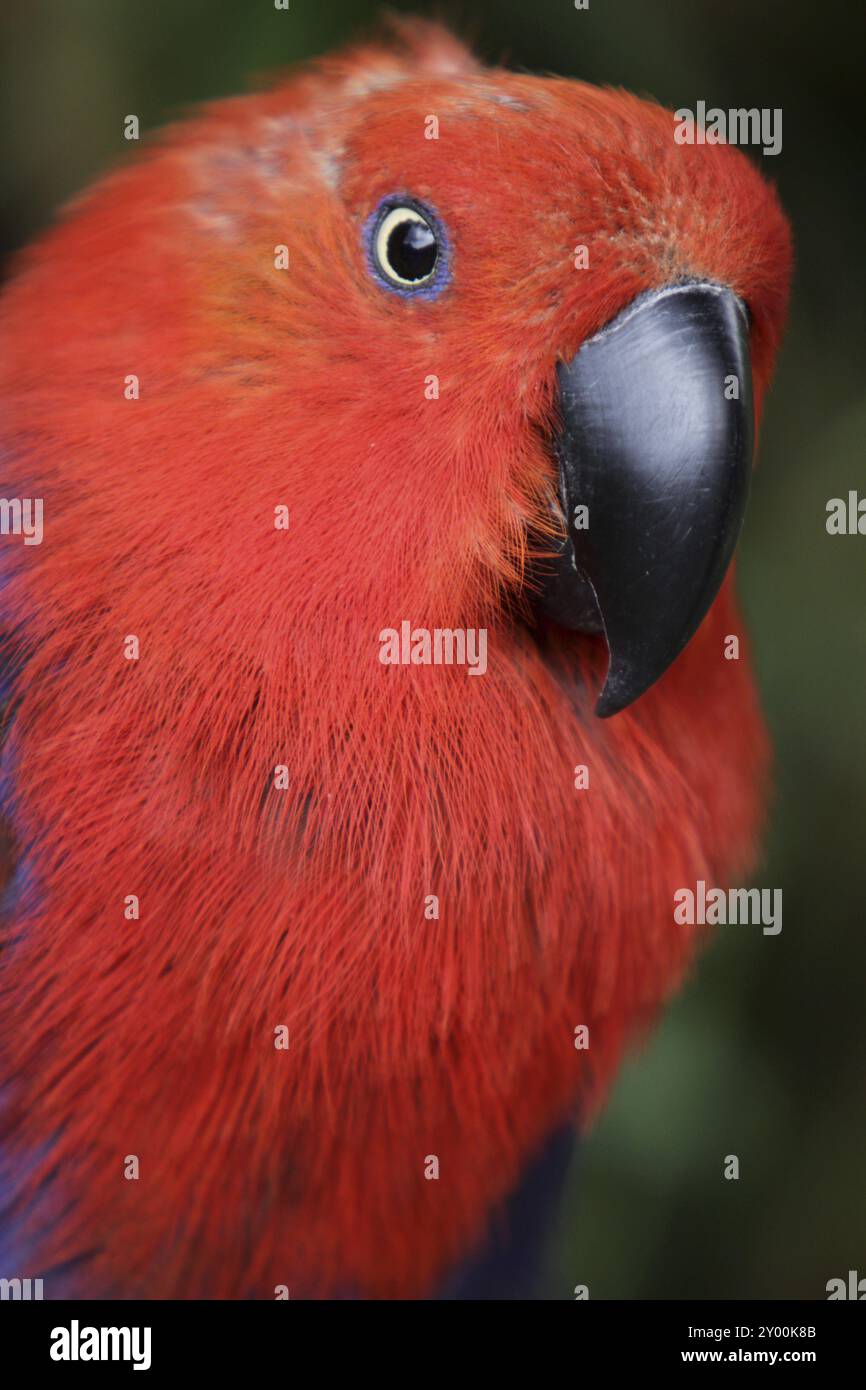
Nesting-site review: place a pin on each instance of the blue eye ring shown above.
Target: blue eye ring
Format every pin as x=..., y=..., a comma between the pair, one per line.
x=375, y=243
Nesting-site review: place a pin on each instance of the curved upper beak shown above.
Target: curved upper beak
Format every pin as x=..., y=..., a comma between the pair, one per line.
x=655, y=459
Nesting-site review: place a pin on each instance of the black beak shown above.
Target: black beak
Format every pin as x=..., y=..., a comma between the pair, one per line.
x=656, y=446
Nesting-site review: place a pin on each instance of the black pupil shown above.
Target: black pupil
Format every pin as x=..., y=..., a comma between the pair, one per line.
x=412, y=251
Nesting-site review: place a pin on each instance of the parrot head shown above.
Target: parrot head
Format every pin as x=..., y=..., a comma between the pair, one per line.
x=545, y=326
x=547, y=323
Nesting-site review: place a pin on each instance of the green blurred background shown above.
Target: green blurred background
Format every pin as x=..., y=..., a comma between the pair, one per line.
x=764, y=1054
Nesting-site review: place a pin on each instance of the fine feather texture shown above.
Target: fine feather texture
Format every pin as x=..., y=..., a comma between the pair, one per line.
x=305, y=907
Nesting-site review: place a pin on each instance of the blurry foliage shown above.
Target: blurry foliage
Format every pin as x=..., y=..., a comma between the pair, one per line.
x=764, y=1053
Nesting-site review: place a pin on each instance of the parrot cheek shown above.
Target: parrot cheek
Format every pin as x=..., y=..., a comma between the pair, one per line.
x=655, y=458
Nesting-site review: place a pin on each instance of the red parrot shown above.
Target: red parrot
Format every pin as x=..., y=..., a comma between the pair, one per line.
x=406, y=355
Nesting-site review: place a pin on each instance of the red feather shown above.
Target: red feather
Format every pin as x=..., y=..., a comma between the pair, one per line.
x=259, y=647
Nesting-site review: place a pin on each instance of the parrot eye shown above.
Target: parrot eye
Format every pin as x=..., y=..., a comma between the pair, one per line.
x=407, y=248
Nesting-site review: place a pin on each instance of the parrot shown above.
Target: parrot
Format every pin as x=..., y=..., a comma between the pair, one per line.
x=322, y=941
